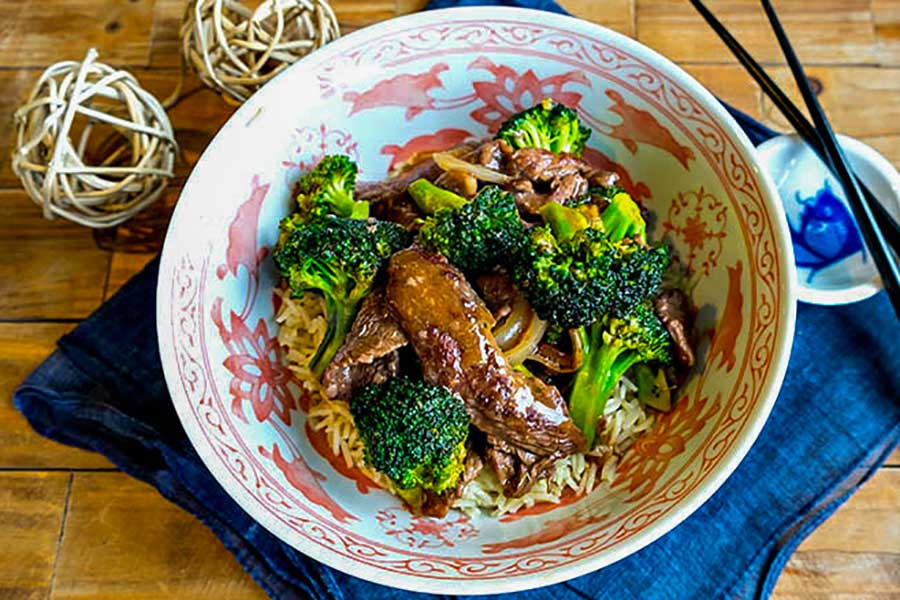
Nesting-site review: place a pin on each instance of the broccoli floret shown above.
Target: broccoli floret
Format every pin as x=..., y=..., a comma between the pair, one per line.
x=479, y=234
x=338, y=258
x=328, y=189
x=622, y=219
x=565, y=280
x=414, y=432
x=564, y=222
x=573, y=273
x=547, y=125
x=613, y=345
x=431, y=198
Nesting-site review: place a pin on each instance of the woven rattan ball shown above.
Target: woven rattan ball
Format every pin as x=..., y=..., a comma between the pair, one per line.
x=235, y=49
x=93, y=146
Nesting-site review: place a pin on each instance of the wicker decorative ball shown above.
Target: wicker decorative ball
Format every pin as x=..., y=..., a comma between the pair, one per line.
x=235, y=49
x=93, y=146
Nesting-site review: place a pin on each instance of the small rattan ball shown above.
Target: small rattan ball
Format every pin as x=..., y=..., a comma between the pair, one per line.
x=235, y=50
x=93, y=146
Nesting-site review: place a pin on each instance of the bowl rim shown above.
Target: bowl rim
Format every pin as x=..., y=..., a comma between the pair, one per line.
x=687, y=505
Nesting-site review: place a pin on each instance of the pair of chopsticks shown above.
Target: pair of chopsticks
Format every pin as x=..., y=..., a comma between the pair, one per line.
x=879, y=229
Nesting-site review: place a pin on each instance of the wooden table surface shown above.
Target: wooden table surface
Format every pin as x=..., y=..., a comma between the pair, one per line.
x=72, y=526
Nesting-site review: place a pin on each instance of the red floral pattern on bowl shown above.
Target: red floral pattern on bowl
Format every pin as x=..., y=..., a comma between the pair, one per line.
x=406, y=86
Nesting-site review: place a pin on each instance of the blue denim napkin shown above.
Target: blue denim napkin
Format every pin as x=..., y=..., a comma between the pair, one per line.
x=836, y=419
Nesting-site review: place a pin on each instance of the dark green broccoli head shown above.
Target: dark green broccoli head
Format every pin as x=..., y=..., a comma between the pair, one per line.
x=573, y=273
x=622, y=219
x=613, y=345
x=414, y=432
x=547, y=125
x=637, y=274
x=338, y=258
x=329, y=188
x=479, y=234
x=566, y=281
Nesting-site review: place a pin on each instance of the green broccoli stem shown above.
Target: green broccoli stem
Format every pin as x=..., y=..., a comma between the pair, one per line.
x=340, y=319
x=565, y=222
x=359, y=210
x=431, y=198
x=346, y=206
x=603, y=367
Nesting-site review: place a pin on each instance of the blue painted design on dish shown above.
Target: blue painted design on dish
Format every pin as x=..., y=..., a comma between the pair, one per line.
x=826, y=234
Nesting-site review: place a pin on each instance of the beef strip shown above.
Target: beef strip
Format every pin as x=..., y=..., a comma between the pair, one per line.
x=569, y=187
x=517, y=469
x=438, y=505
x=498, y=292
x=603, y=178
x=369, y=354
x=541, y=176
x=449, y=327
x=536, y=165
x=673, y=308
x=494, y=154
x=388, y=199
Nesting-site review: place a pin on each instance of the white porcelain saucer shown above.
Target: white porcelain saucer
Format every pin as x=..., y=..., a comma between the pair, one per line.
x=833, y=267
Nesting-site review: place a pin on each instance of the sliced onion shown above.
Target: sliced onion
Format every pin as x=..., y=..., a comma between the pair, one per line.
x=555, y=359
x=527, y=343
x=449, y=162
x=577, y=348
x=510, y=328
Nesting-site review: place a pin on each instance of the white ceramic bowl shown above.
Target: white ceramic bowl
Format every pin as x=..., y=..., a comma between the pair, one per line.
x=423, y=81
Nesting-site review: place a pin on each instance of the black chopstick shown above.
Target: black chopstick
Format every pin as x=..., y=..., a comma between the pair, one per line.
x=865, y=220
x=798, y=120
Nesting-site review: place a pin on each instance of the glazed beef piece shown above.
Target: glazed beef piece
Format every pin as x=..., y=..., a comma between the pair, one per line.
x=388, y=199
x=673, y=309
x=541, y=176
x=498, y=292
x=494, y=154
x=449, y=327
x=536, y=164
x=369, y=354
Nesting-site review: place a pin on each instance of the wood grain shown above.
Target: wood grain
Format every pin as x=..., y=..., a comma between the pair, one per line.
x=835, y=575
x=35, y=34
x=822, y=31
x=615, y=14
x=31, y=513
x=730, y=83
x=867, y=524
x=860, y=102
x=123, y=267
x=886, y=17
x=123, y=541
x=24, y=346
x=51, y=269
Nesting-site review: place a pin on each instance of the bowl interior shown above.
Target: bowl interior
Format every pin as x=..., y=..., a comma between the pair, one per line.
x=406, y=86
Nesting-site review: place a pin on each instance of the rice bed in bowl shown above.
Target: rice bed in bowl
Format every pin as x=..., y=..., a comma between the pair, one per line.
x=301, y=326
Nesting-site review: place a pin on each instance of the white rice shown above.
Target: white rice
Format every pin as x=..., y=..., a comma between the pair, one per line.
x=302, y=326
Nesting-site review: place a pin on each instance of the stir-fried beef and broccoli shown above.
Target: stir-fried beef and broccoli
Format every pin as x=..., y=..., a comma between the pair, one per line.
x=483, y=305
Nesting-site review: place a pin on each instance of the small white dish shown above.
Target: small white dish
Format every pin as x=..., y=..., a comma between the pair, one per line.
x=833, y=267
